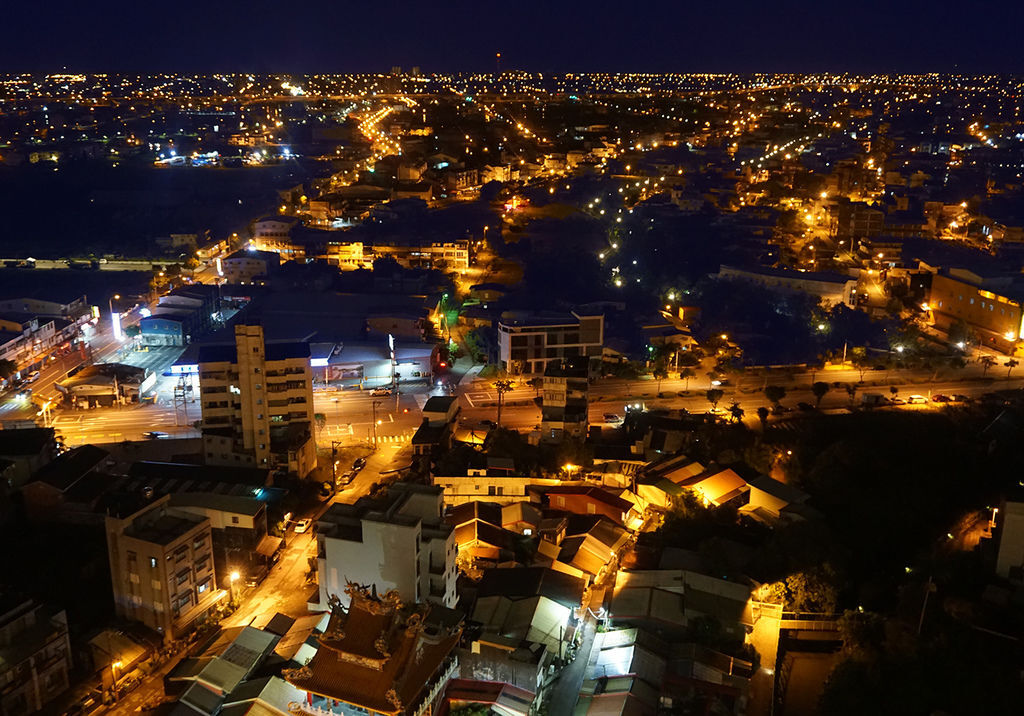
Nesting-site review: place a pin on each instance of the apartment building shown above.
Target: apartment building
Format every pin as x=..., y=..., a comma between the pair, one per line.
x=257, y=403
x=452, y=255
x=564, y=406
x=528, y=344
x=399, y=541
x=35, y=654
x=161, y=564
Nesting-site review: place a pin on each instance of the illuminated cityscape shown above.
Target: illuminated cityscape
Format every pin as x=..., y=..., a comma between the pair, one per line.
x=511, y=391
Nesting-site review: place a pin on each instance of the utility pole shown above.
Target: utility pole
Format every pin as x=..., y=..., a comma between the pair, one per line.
x=375, y=404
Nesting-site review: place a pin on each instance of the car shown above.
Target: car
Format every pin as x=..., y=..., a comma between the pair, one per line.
x=358, y=464
x=917, y=400
x=961, y=398
x=806, y=407
x=897, y=401
x=24, y=394
x=303, y=525
x=32, y=377
x=489, y=423
x=612, y=418
x=380, y=391
x=346, y=477
x=154, y=435
x=940, y=398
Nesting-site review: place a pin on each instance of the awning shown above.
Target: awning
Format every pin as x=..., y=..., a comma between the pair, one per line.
x=268, y=545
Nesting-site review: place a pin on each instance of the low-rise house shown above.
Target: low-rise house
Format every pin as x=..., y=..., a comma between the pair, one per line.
x=532, y=604
x=588, y=500
x=70, y=487
x=666, y=601
x=773, y=502
x=28, y=450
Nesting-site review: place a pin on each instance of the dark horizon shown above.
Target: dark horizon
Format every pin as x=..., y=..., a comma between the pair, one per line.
x=792, y=36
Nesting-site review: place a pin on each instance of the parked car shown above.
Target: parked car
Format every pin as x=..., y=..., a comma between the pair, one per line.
x=302, y=525
x=489, y=423
x=917, y=400
x=806, y=407
x=940, y=398
x=358, y=464
x=961, y=398
x=380, y=391
x=32, y=377
x=612, y=418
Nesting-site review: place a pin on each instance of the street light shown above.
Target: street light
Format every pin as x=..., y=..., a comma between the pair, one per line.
x=232, y=579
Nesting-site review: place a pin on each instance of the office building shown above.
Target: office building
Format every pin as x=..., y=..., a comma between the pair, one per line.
x=257, y=403
x=161, y=564
x=989, y=308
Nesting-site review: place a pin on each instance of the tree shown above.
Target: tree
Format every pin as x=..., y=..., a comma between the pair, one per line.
x=686, y=374
x=1010, y=365
x=536, y=383
x=861, y=360
x=986, y=363
x=774, y=393
x=894, y=391
x=736, y=412
x=501, y=386
x=660, y=373
x=851, y=390
x=820, y=390
x=713, y=396
x=762, y=415
x=7, y=368
x=321, y=421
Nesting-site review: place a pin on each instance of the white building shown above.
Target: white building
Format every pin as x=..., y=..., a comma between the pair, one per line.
x=398, y=541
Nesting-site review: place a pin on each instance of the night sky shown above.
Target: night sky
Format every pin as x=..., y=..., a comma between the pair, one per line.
x=538, y=35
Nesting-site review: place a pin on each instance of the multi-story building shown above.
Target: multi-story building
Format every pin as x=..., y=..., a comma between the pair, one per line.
x=564, y=406
x=399, y=541
x=257, y=403
x=274, y=233
x=452, y=255
x=161, y=565
x=990, y=308
x=250, y=266
x=528, y=344
x=35, y=654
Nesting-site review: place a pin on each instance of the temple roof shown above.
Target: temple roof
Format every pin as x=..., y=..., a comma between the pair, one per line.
x=379, y=654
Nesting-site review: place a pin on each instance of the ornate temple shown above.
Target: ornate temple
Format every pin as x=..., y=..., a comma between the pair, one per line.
x=378, y=656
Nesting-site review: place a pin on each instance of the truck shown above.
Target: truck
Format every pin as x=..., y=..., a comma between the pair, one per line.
x=873, y=400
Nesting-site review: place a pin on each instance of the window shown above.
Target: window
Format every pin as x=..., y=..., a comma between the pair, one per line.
x=234, y=519
x=152, y=562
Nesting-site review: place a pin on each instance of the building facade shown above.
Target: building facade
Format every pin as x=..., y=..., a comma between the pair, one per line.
x=161, y=566
x=564, y=406
x=257, y=402
x=529, y=344
x=398, y=542
x=35, y=655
